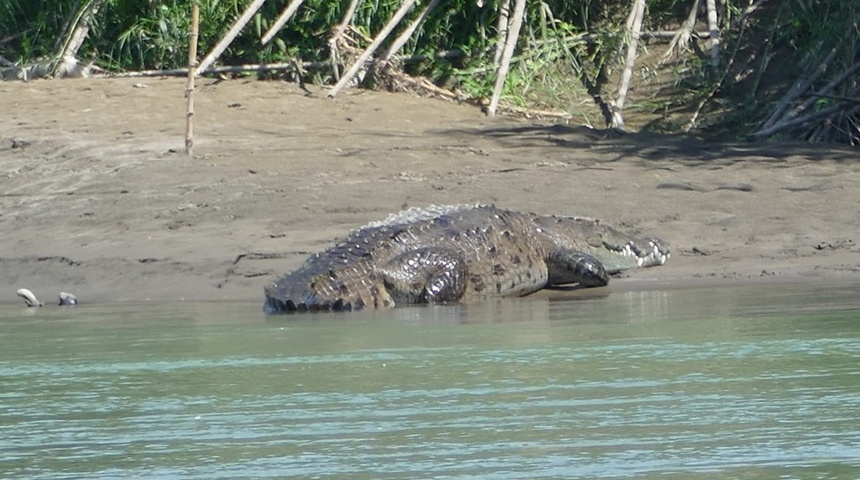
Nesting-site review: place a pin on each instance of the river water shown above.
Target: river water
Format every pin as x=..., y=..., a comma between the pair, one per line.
x=751, y=382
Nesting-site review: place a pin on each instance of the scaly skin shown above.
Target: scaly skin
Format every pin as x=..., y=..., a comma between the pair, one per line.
x=459, y=254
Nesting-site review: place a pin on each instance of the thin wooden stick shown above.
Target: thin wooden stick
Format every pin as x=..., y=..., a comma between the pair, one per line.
x=510, y=44
x=282, y=20
x=189, y=89
x=800, y=86
x=359, y=63
x=627, y=74
x=407, y=34
x=231, y=35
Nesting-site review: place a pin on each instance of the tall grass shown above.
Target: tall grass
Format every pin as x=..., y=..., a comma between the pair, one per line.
x=566, y=46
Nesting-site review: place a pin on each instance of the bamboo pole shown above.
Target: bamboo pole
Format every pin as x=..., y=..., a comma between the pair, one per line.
x=407, y=34
x=282, y=20
x=714, y=30
x=228, y=39
x=794, y=122
x=800, y=86
x=192, y=68
x=510, y=43
x=627, y=74
x=359, y=63
x=502, y=30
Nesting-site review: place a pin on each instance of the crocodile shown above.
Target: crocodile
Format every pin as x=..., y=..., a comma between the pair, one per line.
x=459, y=253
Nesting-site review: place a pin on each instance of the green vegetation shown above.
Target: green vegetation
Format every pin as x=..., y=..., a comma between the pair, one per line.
x=568, y=58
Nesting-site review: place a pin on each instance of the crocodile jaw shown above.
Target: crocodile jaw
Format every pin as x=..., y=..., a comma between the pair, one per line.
x=634, y=254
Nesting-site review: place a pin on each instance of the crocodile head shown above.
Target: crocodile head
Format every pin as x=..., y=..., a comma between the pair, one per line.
x=615, y=250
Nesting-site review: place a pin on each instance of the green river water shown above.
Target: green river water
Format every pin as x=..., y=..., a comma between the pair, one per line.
x=747, y=382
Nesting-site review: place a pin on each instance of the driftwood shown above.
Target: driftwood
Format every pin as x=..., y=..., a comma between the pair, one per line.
x=513, y=33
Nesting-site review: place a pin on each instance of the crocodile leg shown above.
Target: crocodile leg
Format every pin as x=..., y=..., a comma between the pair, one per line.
x=570, y=266
x=425, y=275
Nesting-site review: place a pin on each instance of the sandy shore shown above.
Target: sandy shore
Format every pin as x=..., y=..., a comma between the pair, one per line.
x=99, y=199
